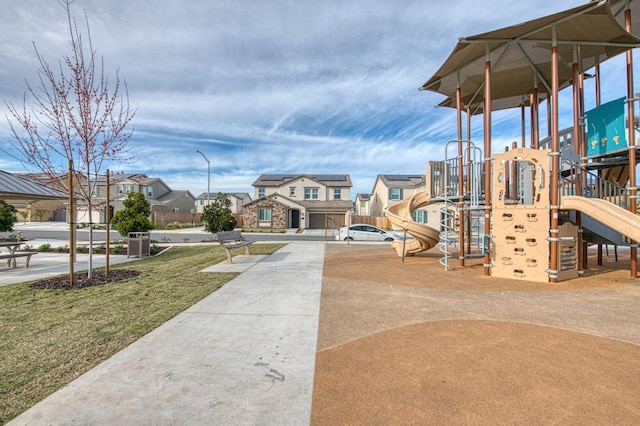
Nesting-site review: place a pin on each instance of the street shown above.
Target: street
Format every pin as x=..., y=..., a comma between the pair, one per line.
x=60, y=231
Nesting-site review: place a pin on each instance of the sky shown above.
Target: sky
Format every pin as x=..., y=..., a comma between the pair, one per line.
x=280, y=86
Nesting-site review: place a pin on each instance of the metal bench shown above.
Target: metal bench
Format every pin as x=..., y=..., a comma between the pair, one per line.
x=233, y=239
x=11, y=258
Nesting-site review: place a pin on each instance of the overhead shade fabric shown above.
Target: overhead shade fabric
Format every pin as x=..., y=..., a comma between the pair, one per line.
x=618, y=8
x=520, y=55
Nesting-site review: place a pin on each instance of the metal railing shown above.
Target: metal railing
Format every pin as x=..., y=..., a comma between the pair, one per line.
x=445, y=185
x=565, y=140
x=593, y=186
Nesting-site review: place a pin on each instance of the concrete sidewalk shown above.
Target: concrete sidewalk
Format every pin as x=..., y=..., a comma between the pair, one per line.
x=46, y=265
x=243, y=355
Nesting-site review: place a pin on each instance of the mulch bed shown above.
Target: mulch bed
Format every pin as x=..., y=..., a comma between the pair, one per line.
x=80, y=280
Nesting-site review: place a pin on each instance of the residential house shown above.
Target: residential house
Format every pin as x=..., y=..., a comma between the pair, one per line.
x=238, y=200
x=313, y=201
x=161, y=197
x=363, y=205
x=391, y=189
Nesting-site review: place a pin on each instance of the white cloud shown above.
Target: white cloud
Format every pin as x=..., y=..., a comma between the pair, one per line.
x=281, y=86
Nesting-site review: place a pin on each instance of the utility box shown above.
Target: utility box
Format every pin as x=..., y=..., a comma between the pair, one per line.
x=139, y=244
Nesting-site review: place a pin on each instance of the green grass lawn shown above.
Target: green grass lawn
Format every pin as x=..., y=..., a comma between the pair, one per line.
x=50, y=337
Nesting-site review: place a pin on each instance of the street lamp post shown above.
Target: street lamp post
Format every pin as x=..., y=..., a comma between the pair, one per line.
x=208, y=174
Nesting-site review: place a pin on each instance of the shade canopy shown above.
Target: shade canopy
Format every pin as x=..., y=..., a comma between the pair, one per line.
x=618, y=7
x=17, y=188
x=520, y=56
x=505, y=103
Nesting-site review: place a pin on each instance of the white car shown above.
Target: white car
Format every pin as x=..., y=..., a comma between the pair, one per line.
x=362, y=232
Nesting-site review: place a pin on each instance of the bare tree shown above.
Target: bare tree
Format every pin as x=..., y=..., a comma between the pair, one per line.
x=73, y=114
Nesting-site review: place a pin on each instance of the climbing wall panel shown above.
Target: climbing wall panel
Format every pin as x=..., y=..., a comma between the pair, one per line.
x=520, y=249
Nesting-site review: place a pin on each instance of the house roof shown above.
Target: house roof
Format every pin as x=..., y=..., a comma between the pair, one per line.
x=311, y=205
x=276, y=180
x=139, y=178
x=363, y=197
x=402, y=181
x=329, y=205
x=239, y=195
x=171, y=196
x=13, y=187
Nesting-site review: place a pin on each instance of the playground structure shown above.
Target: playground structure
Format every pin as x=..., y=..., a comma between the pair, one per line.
x=531, y=212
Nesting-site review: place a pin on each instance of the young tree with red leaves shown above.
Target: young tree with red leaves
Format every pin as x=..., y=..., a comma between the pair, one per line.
x=73, y=114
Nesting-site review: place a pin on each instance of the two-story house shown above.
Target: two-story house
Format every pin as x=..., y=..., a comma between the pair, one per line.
x=363, y=205
x=238, y=200
x=391, y=189
x=302, y=201
x=160, y=196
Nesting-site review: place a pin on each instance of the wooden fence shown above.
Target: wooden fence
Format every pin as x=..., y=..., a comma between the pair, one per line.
x=380, y=222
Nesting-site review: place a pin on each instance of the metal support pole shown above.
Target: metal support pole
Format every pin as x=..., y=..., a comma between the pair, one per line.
x=208, y=176
x=535, y=126
x=555, y=162
x=632, y=143
x=460, y=177
x=487, y=159
x=578, y=149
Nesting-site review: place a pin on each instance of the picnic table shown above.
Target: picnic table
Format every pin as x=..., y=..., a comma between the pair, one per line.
x=12, y=253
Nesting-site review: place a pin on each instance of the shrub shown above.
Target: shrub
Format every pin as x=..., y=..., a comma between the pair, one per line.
x=217, y=215
x=44, y=247
x=117, y=249
x=135, y=215
x=7, y=216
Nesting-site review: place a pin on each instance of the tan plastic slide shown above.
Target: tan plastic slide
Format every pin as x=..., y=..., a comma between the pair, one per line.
x=424, y=237
x=612, y=215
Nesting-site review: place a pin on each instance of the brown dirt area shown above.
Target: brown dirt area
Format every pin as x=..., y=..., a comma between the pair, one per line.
x=410, y=343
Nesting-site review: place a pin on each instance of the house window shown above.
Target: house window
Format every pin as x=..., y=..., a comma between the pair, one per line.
x=311, y=193
x=292, y=191
x=120, y=189
x=337, y=193
x=128, y=189
x=175, y=209
x=150, y=191
x=202, y=202
x=94, y=191
x=363, y=204
x=395, y=194
x=419, y=216
x=260, y=192
x=264, y=215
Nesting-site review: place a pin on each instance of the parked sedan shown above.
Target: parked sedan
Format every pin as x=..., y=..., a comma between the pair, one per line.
x=365, y=233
